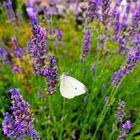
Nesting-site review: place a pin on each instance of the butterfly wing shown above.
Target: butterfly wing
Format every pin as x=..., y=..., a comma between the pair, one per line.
x=78, y=87
x=66, y=88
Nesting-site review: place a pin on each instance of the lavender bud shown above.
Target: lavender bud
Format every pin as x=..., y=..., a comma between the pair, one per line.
x=86, y=44
x=101, y=40
x=125, y=130
x=105, y=4
x=51, y=74
x=40, y=94
x=58, y=34
x=93, y=67
x=19, y=18
x=120, y=112
x=18, y=51
x=105, y=99
x=32, y=14
x=37, y=49
x=92, y=9
x=9, y=11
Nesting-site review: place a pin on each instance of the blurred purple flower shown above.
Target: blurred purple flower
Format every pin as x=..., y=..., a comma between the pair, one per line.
x=105, y=4
x=118, y=2
x=119, y=113
x=92, y=9
x=131, y=61
x=106, y=99
x=51, y=75
x=18, y=124
x=5, y=56
x=117, y=25
x=125, y=130
x=19, y=18
x=127, y=125
x=101, y=40
x=133, y=31
x=86, y=44
x=9, y=11
x=58, y=34
x=18, y=51
x=121, y=44
x=28, y=3
x=16, y=69
x=40, y=94
x=37, y=48
x=32, y=14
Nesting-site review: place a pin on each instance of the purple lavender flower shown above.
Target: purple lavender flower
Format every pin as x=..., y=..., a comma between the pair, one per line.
x=37, y=48
x=105, y=4
x=128, y=8
x=58, y=34
x=19, y=18
x=52, y=7
x=9, y=11
x=121, y=44
x=18, y=124
x=117, y=76
x=16, y=69
x=92, y=9
x=18, y=51
x=28, y=3
x=101, y=40
x=131, y=61
x=119, y=113
x=32, y=14
x=40, y=94
x=125, y=130
x=5, y=56
x=127, y=125
x=51, y=74
x=118, y=2
x=135, y=23
x=86, y=44
x=105, y=99
x=117, y=25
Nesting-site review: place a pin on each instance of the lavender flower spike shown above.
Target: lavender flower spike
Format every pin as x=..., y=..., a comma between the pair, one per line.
x=37, y=49
x=51, y=74
x=32, y=14
x=18, y=123
x=131, y=61
x=105, y=4
x=58, y=34
x=18, y=51
x=92, y=9
x=9, y=11
x=86, y=44
x=120, y=112
x=125, y=130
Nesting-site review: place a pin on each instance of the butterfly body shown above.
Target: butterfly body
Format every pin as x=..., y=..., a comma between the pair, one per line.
x=70, y=87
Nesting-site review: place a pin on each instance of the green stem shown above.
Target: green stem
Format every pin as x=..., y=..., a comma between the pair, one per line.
x=105, y=109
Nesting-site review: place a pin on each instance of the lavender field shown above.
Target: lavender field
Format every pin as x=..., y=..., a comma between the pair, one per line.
x=69, y=70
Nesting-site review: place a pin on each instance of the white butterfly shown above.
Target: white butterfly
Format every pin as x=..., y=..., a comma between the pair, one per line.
x=70, y=87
